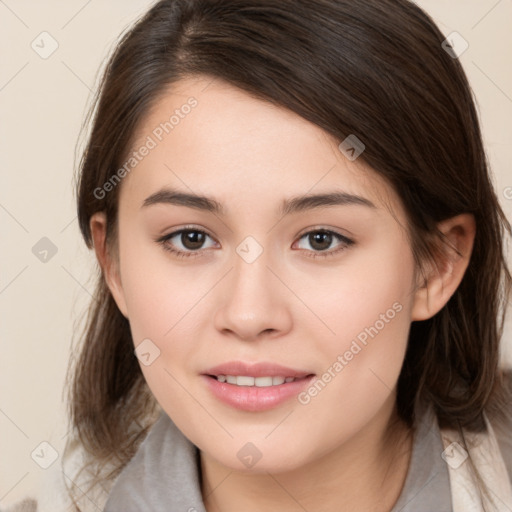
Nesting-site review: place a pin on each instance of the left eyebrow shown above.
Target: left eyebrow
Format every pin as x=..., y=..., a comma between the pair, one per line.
x=288, y=206
x=308, y=202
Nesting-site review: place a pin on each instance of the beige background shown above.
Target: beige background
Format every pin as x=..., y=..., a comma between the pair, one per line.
x=42, y=104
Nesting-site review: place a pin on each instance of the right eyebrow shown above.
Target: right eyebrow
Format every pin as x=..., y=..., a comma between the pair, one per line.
x=171, y=196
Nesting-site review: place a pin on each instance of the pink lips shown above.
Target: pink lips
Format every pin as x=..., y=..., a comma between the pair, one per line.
x=253, y=398
x=263, y=369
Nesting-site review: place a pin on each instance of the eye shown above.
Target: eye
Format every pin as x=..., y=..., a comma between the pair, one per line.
x=188, y=242
x=321, y=241
x=185, y=242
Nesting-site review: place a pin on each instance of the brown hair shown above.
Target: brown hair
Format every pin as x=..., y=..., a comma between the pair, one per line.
x=374, y=68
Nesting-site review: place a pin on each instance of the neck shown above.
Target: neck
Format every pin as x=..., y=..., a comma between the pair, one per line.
x=365, y=473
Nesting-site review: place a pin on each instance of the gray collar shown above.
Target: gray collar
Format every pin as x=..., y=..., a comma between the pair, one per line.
x=164, y=473
x=427, y=485
x=162, y=476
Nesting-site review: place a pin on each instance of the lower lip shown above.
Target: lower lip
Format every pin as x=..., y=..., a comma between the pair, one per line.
x=253, y=398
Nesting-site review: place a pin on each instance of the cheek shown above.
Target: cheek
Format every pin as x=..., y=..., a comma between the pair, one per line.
x=157, y=293
x=165, y=302
x=369, y=291
x=367, y=308
x=161, y=299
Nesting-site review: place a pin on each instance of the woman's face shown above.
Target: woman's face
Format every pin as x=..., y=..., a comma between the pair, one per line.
x=269, y=283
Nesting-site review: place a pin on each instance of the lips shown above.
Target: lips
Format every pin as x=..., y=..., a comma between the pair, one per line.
x=264, y=369
x=255, y=387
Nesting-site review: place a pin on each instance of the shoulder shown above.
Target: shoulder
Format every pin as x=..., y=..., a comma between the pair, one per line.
x=50, y=496
x=91, y=484
x=27, y=505
x=52, y=493
x=501, y=420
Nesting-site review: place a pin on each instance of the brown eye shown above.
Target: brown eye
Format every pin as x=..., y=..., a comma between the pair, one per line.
x=192, y=239
x=323, y=243
x=320, y=240
x=186, y=242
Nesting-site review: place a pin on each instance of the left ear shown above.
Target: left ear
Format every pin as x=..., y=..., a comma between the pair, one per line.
x=452, y=261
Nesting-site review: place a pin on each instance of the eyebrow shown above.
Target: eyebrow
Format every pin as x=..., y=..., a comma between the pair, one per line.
x=288, y=206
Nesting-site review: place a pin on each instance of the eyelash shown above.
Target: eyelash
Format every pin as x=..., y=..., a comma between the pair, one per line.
x=345, y=243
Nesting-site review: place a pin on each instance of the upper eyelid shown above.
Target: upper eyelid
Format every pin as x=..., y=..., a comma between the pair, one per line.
x=172, y=234
x=303, y=232
x=343, y=239
x=186, y=228
x=323, y=228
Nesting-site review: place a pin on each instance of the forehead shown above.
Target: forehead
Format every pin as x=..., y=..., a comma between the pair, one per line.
x=209, y=136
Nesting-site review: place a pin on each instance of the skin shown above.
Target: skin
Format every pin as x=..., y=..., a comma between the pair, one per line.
x=287, y=307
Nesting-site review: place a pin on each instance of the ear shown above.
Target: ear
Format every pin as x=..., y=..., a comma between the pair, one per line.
x=108, y=263
x=452, y=261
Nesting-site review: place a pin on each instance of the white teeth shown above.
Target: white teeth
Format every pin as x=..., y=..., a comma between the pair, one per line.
x=260, y=382
x=244, y=381
x=263, y=382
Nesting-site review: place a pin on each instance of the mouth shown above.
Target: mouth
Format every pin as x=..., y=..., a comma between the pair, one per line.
x=259, y=382
x=255, y=387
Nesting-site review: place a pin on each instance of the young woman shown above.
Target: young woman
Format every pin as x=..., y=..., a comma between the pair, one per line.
x=302, y=274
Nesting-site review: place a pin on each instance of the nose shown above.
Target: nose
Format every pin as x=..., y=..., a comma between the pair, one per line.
x=253, y=302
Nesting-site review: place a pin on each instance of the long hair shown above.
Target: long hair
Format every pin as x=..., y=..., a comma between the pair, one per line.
x=374, y=68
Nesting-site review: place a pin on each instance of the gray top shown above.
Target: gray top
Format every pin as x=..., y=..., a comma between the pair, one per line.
x=164, y=474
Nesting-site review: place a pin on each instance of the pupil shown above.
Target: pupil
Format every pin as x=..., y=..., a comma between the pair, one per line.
x=320, y=240
x=192, y=239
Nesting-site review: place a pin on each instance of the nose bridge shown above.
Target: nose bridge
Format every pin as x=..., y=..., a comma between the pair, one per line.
x=251, y=277
x=252, y=301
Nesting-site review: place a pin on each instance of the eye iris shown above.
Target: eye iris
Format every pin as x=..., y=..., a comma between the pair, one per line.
x=192, y=239
x=320, y=240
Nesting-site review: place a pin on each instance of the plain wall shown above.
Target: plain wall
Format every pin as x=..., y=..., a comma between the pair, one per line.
x=42, y=105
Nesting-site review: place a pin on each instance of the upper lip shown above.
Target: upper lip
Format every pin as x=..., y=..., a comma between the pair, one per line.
x=262, y=369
